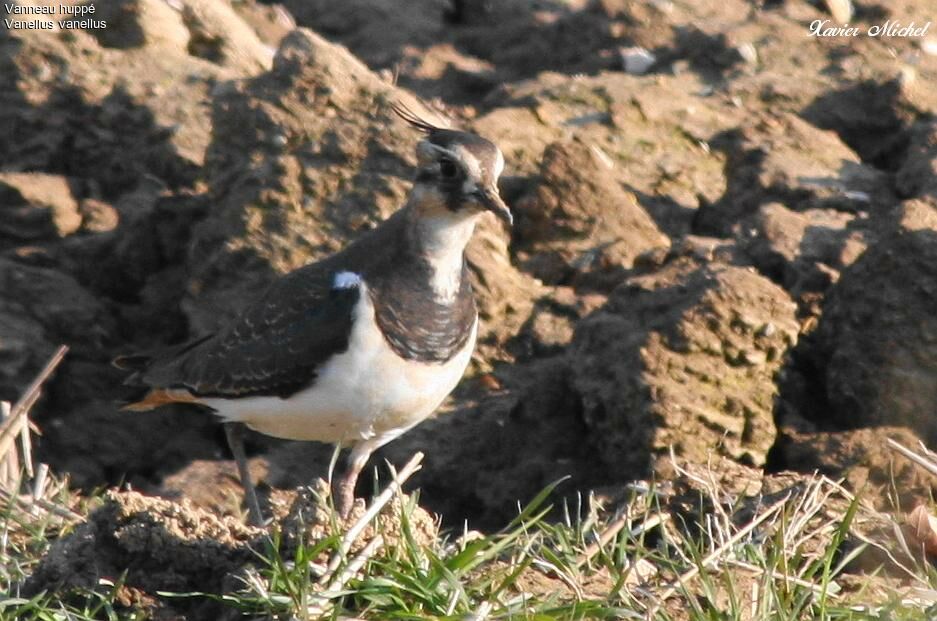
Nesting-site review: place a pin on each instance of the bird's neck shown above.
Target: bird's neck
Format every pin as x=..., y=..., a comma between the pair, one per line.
x=440, y=240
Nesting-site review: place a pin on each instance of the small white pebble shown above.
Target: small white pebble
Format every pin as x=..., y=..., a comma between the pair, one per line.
x=602, y=156
x=636, y=60
x=749, y=53
x=929, y=46
x=858, y=196
x=767, y=330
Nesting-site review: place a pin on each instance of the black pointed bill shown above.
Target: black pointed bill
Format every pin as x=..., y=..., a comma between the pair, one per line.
x=491, y=201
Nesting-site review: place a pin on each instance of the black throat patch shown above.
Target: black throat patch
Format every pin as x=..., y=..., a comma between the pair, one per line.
x=416, y=324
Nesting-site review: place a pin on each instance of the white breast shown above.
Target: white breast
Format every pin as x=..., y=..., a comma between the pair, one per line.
x=366, y=392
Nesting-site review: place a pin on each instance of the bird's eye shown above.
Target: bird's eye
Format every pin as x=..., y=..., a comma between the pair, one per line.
x=447, y=169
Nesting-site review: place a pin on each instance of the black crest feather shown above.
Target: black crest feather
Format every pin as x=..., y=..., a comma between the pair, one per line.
x=414, y=119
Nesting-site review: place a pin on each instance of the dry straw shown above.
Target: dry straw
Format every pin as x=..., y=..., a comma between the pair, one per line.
x=15, y=424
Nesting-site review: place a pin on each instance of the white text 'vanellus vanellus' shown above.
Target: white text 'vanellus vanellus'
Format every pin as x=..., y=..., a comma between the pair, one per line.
x=359, y=347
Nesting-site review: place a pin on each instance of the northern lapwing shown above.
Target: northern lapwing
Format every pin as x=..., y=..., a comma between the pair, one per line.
x=358, y=348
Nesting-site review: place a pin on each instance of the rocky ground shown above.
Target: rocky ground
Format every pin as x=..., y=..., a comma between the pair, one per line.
x=729, y=255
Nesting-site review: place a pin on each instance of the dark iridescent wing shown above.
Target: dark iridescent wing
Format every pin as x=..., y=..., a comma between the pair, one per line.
x=273, y=349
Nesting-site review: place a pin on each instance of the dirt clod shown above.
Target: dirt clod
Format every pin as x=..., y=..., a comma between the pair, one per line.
x=860, y=456
x=874, y=341
x=162, y=545
x=579, y=221
x=156, y=545
x=685, y=352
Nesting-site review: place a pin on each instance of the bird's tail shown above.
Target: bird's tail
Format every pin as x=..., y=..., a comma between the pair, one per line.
x=141, y=393
x=135, y=390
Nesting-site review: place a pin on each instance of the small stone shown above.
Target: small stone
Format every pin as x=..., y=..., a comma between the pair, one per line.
x=636, y=60
x=578, y=224
x=929, y=46
x=754, y=358
x=768, y=330
x=749, y=53
x=862, y=197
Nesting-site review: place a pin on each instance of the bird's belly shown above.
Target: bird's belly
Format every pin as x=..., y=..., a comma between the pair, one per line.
x=366, y=391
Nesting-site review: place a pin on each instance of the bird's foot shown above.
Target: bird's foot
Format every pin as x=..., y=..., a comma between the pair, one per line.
x=343, y=490
x=344, y=494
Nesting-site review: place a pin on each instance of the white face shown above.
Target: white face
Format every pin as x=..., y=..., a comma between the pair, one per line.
x=459, y=173
x=469, y=167
x=469, y=162
x=475, y=176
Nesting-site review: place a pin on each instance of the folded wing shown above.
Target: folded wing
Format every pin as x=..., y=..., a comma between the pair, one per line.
x=273, y=349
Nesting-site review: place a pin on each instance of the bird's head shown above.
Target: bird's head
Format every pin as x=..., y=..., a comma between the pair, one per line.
x=458, y=172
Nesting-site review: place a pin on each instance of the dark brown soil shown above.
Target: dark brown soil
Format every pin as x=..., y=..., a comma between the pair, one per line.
x=730, y=255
